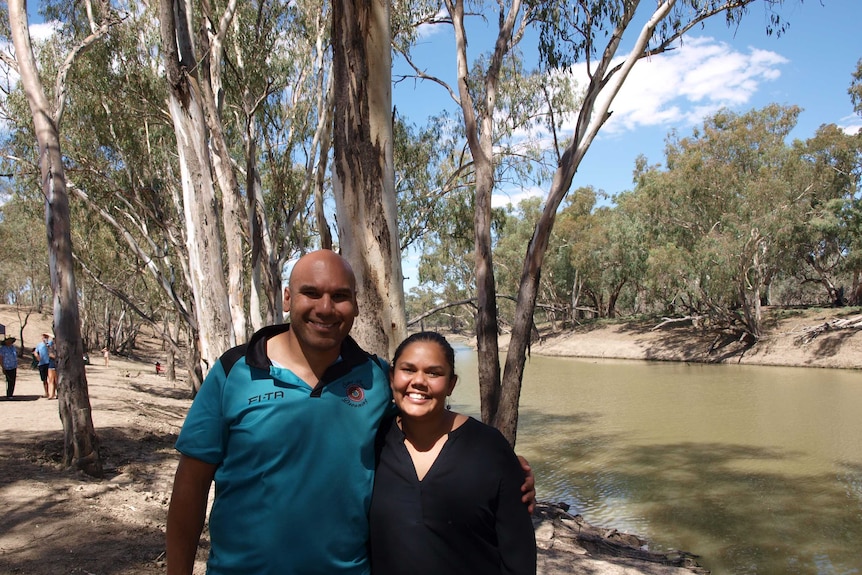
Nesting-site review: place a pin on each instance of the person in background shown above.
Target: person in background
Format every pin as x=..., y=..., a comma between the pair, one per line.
x=52, y=369
x=10, y=364
x=41, y=353
x=285, y=427
x=447, y=496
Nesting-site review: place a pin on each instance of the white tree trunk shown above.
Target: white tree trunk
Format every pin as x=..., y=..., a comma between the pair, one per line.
x=233, y=212
x=209, y=288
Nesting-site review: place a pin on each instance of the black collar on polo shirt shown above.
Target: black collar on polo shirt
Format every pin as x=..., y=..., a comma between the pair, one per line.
x=351, y=355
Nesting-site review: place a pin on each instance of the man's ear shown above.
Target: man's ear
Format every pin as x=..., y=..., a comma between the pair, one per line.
x=286, y=301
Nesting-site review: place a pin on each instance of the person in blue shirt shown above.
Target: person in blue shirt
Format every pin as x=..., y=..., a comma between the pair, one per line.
x=285, y=427
x=10, y=364
x=42, y=352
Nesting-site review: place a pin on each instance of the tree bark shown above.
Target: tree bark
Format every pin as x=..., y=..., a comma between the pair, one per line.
x=80, y=443
x=214, y=329
x=234, y=216
x=480, y=138
x=363, y=172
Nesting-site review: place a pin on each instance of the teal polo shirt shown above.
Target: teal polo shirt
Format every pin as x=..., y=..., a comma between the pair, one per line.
x=295, y=465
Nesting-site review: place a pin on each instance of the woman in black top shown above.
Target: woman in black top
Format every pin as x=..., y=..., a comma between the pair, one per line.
x=447, y=492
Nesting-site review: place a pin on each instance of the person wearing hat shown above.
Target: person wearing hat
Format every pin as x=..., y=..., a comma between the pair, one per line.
x=10, y=364
x=43, y=353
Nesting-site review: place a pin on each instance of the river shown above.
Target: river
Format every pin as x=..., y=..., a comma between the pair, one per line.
x=755, y=469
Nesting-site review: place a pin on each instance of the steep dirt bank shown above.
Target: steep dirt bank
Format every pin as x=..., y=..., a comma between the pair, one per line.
x=786, y=341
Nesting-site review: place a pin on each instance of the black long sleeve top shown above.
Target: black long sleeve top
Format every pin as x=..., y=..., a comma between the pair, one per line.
x=465, y=516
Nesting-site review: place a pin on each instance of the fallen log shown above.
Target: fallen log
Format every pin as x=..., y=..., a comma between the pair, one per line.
x=665, y=321
x=810, y=333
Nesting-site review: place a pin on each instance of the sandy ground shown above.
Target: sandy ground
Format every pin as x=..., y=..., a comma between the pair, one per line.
x=61, y=522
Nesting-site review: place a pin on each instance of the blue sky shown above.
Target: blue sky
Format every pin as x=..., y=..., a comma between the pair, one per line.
x=810, y=65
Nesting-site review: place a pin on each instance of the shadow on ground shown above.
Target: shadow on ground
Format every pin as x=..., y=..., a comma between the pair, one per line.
x=122, y=532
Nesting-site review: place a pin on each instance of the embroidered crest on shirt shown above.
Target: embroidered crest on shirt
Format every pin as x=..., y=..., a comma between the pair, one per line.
x=354, y=395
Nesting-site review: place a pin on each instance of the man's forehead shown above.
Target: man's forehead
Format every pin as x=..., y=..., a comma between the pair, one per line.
x=322, y=272
x=323, y=285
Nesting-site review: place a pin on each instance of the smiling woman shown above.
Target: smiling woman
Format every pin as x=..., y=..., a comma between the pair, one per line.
x=447, y=495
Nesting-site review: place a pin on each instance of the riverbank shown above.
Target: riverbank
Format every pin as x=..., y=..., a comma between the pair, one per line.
x=787, y=341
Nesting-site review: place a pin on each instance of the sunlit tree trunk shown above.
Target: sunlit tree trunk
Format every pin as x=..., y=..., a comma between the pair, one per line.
x=80, y=443
x=606, y=81
x=363, y=173
x=214, y=329
x=233, y=211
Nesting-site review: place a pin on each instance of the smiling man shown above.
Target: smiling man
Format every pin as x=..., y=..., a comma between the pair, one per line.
x=285, y=427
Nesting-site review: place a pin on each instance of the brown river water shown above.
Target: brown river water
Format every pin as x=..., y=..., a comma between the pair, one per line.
x=756, y=469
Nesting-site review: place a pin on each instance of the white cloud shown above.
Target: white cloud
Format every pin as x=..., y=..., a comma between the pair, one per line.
x=426, y=31
x=851, y=129
x=689, y=83
x=502, y=198
x=44, y=30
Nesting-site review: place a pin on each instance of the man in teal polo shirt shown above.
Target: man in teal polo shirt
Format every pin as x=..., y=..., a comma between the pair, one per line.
x=285, y=427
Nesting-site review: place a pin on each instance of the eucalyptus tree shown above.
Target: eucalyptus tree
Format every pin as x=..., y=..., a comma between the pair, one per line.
x=855, y=89
x=828, y=242
x=729, y=201
x=429, y=174
x=239, y=95
x=24, y=279
x=571, y=33
x=508, y=249
x=511, y=238
x=574, y=259
x=491, y=106
x=81, y=445
x=363, y=171
x=190, y=105
x=278, y=104
x=128, y=215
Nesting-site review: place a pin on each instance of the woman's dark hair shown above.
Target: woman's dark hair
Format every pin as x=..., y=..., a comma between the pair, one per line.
x=427, y=336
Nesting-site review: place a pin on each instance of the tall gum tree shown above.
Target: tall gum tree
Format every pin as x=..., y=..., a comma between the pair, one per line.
x=665, y=22
x=363, y=174
x=234, y=214
x=185, y=102
x=478, y=117
x=80, y=442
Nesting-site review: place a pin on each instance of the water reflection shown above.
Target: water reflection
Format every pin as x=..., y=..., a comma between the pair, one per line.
x=758, y=470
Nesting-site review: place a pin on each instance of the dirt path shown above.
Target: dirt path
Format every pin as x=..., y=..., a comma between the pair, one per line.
x=64, y=522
